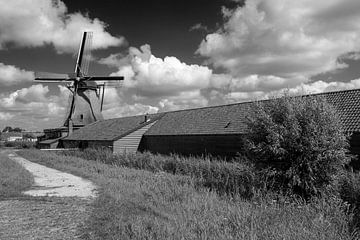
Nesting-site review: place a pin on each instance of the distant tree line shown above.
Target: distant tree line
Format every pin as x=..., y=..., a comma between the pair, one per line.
x=10, y=129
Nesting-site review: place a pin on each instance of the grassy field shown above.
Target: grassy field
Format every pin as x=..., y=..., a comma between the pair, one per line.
x=139, y=204
x=230, y=178
x=13, y=178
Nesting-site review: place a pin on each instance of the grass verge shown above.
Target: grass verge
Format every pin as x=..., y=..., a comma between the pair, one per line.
x=13, y=178
x=231, y=178
x=137, y=204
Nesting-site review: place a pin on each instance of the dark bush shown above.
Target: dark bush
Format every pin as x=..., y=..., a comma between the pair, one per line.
x=19, y=144
x=297, y=142
x=9, y=144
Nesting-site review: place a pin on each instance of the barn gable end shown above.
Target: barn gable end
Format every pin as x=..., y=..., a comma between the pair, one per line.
x=130, y=142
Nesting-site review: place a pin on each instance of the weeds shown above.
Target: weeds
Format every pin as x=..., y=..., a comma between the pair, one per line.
x=223, y=177
x=137, y=204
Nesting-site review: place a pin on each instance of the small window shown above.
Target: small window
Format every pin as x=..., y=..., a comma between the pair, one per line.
x=81, y=117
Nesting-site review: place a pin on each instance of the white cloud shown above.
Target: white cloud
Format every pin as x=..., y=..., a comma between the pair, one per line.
x=156, y=83
x=152, y=76
x=11, y=75
x=115, y=60
x=169, y=84
x=6, y=116
x=290, y=40
x=129, y=110
x=321, y=86
x=27, y=23
x=265, y=47
x=33, y=107
x=303, y=88
x=199, y=27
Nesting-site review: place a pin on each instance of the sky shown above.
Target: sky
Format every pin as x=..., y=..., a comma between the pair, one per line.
x=174, y=54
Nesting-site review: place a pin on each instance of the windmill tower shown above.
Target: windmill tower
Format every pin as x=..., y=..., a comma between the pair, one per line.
x=86, y=98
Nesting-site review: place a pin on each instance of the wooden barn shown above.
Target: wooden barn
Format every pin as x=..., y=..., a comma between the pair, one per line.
x=214, y=130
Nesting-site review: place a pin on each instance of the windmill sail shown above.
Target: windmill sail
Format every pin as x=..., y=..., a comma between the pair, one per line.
x=51, y=77
x=87, y=54
x=84, y=55
x=85, y=100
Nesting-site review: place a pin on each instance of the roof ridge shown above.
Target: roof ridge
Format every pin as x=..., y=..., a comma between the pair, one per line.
x=238, y=103
x=143, y=124
x=214, y=121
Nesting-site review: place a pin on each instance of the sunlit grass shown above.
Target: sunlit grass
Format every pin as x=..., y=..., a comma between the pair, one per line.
x=138, y=204
x=231, y=178
x=13, y=178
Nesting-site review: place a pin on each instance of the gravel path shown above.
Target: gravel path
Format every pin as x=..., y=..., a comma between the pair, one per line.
x=55, y=208
x=51, y=182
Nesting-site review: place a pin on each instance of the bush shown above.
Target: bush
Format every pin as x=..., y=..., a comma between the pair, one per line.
x=20, y=144
x=298, y=142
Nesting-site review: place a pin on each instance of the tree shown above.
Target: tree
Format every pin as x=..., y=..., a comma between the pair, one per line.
x=16, y=129
x=10, y=129
x=28, y=135
x=298, y=142
x=7, y=129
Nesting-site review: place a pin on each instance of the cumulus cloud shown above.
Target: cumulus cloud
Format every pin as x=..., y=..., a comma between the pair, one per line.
x=156, y=84
x=162, y=83
x=284, y=41
x=199, y=27
x=303, y=88
x=33, y=107
x=129, y=110
x=11, y=75
x=152, y=76
x=263, y=48
x=5, y=116
x=26, y=23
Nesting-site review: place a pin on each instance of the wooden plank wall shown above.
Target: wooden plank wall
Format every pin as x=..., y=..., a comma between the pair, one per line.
x=355, y=150
x=86, y=143
x=130, y=143
x=217, y=145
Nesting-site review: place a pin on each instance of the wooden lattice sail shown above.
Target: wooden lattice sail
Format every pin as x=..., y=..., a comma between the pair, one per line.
x=86, y=98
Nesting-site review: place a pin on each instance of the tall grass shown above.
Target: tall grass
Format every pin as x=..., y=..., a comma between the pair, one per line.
x=13, y=178
x=349, y=190
x=223, y=177
x=138, y=204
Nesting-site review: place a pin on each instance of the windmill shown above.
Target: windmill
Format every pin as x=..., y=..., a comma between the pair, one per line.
x=87, y=95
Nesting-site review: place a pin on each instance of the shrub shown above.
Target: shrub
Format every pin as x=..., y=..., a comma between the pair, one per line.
x=20, y=144
x=297, y=141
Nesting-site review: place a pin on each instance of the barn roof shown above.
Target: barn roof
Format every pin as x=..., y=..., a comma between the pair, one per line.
x=111, y=129
x=225, y=119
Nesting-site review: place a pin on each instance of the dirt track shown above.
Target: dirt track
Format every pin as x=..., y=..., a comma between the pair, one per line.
x=55, y=208
x=51, y=182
